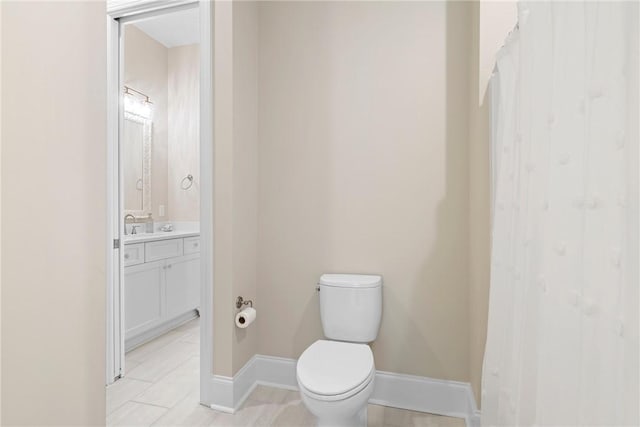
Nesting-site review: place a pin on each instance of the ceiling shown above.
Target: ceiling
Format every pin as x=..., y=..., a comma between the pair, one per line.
x=173, y=29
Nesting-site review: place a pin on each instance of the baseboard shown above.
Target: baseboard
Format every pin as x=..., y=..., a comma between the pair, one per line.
x=422, y=394
x=156, y=331
x=218, y=394
x=473, y=420
x=277, y=372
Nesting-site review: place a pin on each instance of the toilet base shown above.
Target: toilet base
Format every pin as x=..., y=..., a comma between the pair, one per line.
x=358, y=420
x=349, y=412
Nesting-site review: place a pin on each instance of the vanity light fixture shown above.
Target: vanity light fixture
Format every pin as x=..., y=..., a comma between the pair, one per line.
x=133, y=104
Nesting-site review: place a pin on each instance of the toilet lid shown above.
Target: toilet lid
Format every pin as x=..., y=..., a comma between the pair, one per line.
x=333, y=367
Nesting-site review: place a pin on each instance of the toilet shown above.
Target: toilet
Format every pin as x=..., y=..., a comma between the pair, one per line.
x=336, y=376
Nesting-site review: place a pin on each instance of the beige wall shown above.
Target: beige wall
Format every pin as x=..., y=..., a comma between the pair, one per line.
x=223, y=188
x=146, y=70
x=372, y=157
x=184, y=132
x=171, y=78
x=496, y=19
x=245, y=169
x=363, y=167
x=235, y=179
x=479, y=212
x=53, y=213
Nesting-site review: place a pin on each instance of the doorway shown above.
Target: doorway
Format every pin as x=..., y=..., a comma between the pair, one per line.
x=160, y=152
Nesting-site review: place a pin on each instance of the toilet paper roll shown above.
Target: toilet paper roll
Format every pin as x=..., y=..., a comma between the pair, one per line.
x=245, y=317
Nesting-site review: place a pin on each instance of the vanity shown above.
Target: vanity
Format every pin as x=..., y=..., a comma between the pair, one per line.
x=161, y=283
x=161, y=287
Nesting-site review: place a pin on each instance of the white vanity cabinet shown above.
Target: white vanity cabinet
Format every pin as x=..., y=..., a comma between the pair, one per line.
x=182, y=277
x=161, y=287
x=144, y=298
x=133, y=254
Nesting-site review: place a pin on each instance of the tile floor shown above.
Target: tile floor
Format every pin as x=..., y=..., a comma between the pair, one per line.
x=161, y=389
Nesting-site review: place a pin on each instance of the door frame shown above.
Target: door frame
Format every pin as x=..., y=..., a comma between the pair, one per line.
x=127, y=11
x=114, y=360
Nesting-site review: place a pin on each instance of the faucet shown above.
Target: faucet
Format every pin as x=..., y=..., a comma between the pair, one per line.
x=125, y=223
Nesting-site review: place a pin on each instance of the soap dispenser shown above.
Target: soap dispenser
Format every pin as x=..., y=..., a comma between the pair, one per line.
x=149, y=224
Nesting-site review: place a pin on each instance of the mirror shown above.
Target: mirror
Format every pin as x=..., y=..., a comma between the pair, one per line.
x=136, y=164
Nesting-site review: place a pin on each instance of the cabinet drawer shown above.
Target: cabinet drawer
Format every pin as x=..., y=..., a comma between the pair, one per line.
x=191, y=245
x=133, y=254
x=162, y=249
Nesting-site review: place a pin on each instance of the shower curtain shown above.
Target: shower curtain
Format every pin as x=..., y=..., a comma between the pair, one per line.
x=562, y=343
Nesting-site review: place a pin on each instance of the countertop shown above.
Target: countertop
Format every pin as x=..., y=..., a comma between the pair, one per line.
x=159, y=235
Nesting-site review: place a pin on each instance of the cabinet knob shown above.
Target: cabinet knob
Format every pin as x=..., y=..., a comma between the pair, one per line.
x=127, y=256
x=195, y=245
x=169, y=266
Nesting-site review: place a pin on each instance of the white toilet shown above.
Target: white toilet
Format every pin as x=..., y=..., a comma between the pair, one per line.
x=336, y=377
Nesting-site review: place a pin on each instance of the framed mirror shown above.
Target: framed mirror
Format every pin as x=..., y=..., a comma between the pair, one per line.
x=136, y=157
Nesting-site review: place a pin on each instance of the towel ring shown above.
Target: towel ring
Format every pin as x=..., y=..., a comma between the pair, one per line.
x=186, y=186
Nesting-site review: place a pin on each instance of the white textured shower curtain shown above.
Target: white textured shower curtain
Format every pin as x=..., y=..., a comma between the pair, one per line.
x=562, y=344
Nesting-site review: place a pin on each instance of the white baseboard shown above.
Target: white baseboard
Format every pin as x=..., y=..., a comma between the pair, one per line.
x=473, y=420
x=156, y=331
x=423, y=394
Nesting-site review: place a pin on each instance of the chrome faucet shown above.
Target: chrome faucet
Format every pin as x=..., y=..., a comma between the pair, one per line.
x=125, y=223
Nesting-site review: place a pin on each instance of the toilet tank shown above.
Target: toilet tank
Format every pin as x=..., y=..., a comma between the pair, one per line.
x=351, y=306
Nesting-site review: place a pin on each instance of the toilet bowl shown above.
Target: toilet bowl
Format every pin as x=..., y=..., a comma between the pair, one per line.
x=336, y=376
x=336, y=380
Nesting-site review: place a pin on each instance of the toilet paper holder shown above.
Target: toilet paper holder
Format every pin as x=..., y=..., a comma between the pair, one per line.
x=241, y=301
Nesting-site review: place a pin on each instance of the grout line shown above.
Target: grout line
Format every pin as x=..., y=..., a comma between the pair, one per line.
x=127, y=401
x=179, y=337
x=180, y=400
x=157, y=406
x=159, y=418
x=189, y=342
x=128, y=378
x=164, y=376
x=149, y=404
x=149, y=357
x=152, y=353
x=188, y=356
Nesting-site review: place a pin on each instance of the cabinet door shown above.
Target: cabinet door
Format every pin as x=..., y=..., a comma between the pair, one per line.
x=183, y=285
x=143, y=297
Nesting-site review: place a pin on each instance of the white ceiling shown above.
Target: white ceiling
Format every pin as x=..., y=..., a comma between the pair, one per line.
x=173, y=29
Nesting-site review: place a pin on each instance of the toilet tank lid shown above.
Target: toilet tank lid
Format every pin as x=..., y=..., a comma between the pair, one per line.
x=351, y=280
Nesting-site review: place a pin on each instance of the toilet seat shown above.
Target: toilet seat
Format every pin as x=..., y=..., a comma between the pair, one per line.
x=335, y=370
